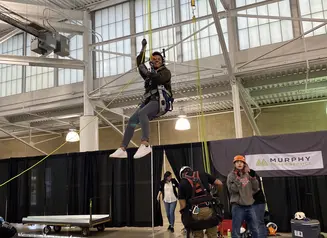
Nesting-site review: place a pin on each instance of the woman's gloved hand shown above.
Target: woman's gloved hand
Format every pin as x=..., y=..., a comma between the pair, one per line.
x=144, y=42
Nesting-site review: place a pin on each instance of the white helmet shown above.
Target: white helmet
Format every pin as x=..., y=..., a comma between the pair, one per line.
x=182, y=170
x=299, y=216
x=272, y=225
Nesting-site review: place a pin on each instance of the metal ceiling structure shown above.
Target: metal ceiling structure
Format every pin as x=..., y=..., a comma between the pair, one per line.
x=265, y=76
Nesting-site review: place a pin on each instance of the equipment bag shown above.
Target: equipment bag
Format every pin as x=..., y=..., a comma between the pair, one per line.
x=7, y=230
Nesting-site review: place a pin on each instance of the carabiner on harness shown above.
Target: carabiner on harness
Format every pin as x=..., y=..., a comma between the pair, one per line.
x=196, y=210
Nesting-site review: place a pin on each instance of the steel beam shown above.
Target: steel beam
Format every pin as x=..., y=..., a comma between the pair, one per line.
x=46, y=140
x=222, y=40
x=30, y=127
x=221, y=14
x=131, y=70
x=167, y=61
x=225, y=4
x=113, y=126
x=237, y=111
x=42, y=62
x=230, y=70
x=281, y=18
x=281, y=46
x=178, y=94
x=253, y=5
x=87, y=73
x=14, y=21
x=237, y=96
x=24, y=142
x=60, y=26
x=9, y=35
x=247, y=94
x=295, y=88
x=249, y=115
x=115, y=111
x=30, y=10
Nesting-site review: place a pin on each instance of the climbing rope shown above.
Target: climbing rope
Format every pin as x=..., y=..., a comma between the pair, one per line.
x=201, y=124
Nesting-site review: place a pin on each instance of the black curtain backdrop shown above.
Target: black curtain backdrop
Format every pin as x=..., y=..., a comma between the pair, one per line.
x=185, y=155
x=4, y=175
x=288, y=195
x=142, y=188
x=64, y=184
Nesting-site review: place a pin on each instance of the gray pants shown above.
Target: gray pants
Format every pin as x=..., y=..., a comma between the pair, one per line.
x=141, y=116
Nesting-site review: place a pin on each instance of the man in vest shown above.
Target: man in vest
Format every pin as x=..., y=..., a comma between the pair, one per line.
x=195, y=199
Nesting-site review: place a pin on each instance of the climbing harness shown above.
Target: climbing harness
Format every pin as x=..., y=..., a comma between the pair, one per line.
x=201, y=198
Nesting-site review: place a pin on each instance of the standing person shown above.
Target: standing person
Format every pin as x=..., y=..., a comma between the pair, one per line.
x=241, y=186
x=168, y=190
x=259, y=206
x=195, y=201
x=157, y=84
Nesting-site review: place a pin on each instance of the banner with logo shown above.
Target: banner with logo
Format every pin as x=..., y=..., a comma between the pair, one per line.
x=300, y=154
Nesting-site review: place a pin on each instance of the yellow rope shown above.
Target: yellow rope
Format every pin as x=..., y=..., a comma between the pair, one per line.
x=203, y=134
x=150, y=28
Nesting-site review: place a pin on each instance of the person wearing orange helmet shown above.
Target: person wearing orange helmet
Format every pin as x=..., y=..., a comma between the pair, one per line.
x=241, y=186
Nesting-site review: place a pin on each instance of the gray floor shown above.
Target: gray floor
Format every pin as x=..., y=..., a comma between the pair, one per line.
x=158, y=232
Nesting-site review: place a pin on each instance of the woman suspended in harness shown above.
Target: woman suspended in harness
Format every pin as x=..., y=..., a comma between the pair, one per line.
x=157, y=100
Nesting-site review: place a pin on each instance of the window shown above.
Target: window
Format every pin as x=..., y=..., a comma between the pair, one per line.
x=68, y=76
x=207, y=40
x=11, y=75
x=254, y=32
x=162, y=14
x=112, y=23
x=313, y=9
x=38, y=77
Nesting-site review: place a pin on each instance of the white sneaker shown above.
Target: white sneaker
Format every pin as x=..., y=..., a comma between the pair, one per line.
x=119, y=153
x=142, y=151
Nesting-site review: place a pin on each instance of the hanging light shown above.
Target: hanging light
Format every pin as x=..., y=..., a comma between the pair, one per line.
x=182, y=124
x=72, y=136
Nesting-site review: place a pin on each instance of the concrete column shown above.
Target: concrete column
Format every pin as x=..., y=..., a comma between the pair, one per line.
x=295, y=12
x=178, y=48
x=232, y=35
x=133, y=31
x=89, y=134
x=24, y=66
x=237, y=111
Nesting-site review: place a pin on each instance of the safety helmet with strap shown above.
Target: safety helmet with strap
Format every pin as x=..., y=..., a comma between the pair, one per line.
x=184, y=169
